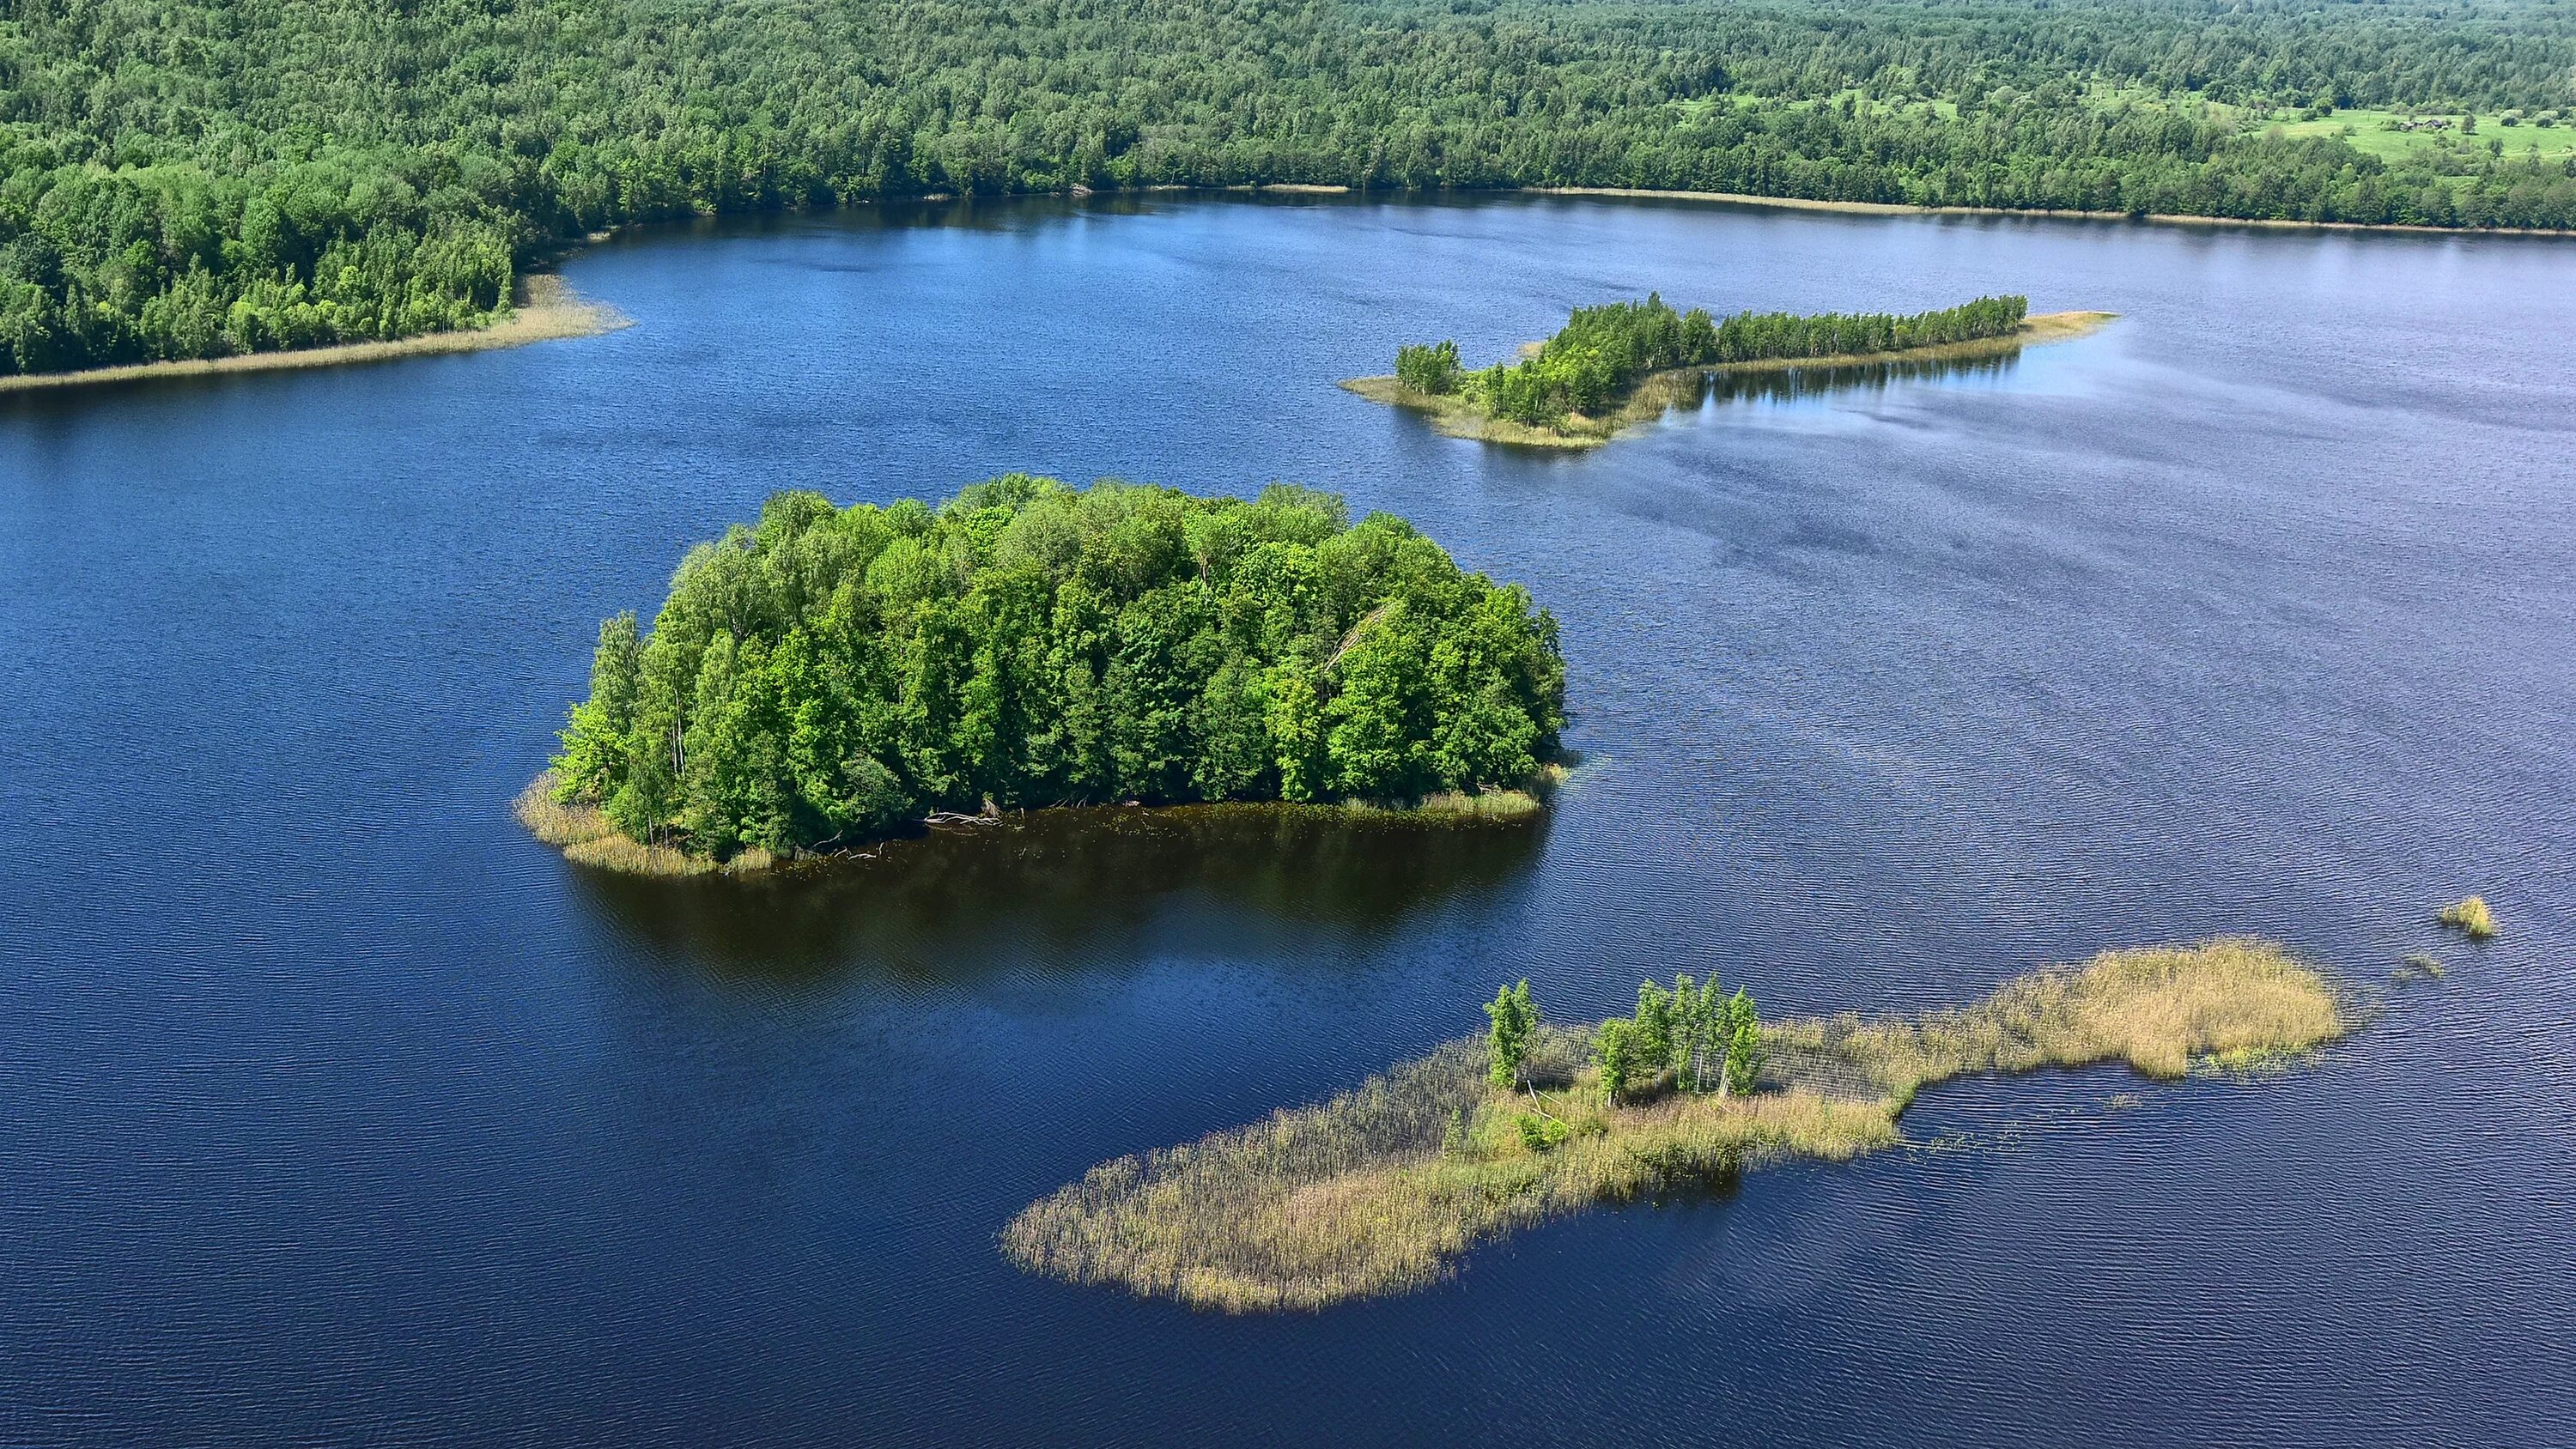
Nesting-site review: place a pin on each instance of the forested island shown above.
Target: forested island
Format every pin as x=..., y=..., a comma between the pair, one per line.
x=1383, y=1188
x=1601, y=371
x=834, y=674
x=197, y=178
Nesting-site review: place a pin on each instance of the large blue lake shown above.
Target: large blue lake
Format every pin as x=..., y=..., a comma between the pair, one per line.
x=335, y=1110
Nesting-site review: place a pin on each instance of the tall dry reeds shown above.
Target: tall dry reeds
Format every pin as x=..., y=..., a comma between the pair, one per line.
x=587, y=836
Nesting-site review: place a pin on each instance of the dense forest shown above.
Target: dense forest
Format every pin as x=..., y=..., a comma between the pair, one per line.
x=184, y=178
x=833, y=673
x=1601, y=352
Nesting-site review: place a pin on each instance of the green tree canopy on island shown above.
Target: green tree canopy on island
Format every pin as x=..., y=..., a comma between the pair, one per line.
x=833, y=672
x=1601, y=353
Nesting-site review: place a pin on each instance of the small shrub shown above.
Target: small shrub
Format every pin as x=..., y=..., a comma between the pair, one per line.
x=1538, y=1134
x=2472, y=916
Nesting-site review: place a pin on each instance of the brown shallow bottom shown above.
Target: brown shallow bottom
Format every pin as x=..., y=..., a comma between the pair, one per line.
x=547, y=310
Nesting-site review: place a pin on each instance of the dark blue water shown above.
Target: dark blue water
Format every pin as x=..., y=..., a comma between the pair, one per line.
x=334, y=1110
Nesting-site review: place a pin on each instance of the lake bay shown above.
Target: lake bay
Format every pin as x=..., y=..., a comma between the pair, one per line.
x=338, y=1109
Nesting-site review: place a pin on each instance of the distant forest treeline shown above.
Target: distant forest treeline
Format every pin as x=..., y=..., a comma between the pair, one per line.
x=184, y=178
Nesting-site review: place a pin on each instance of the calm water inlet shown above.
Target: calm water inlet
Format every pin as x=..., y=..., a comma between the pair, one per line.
x=338, y=1110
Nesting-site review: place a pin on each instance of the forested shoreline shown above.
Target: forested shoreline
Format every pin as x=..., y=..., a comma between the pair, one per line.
x=832, y=674
x=184, y=179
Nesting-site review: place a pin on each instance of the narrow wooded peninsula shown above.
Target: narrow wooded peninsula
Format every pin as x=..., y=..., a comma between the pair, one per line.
x=1625, y=362
x=835, y=674
x=1382, y=1189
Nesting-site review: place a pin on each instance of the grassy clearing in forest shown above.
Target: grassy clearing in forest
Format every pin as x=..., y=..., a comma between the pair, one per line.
x=1382, y=1189
x=2384, y=134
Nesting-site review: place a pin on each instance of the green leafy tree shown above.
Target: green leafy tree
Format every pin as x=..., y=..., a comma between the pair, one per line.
x=1431, y=368
x=594, y=740
x=1744, y=1045
x=1653, y=1025
x=1616, y=1050
x=1513, y=1021
x=1691, y=1013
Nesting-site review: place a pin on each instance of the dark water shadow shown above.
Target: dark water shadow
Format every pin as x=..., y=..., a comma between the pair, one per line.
x=1691, y=391
x=1074, y=888
x=984, y=214
x=1664, y=394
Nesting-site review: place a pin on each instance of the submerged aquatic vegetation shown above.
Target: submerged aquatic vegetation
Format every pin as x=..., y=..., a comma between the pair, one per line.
x=2418, y=966
x=1384, y=1187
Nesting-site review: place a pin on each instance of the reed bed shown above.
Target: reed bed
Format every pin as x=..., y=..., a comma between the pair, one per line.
x=2472, y=916
x=2154, y=1007
x=1486, y=805
x=1385, y=1187
x=586, y=837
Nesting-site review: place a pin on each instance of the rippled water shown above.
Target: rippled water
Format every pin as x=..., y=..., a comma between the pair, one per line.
x=337, y=1110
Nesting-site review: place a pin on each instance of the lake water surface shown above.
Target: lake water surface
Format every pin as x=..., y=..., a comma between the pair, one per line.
x=335, y=1110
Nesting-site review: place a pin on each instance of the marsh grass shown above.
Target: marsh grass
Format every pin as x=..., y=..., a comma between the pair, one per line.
x=1458, y=805
x=586, y=837
x=1383, y=1188
x=2472, y=916
x=2154, y=1007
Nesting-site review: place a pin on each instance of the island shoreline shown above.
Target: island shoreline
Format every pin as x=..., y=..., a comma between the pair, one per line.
x=1453, y=416
x=582, y=833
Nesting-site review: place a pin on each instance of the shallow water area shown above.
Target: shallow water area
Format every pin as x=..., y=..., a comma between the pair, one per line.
x=339, y=1109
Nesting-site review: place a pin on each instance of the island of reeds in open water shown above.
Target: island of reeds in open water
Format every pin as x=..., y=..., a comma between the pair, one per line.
x=1384, y=1187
